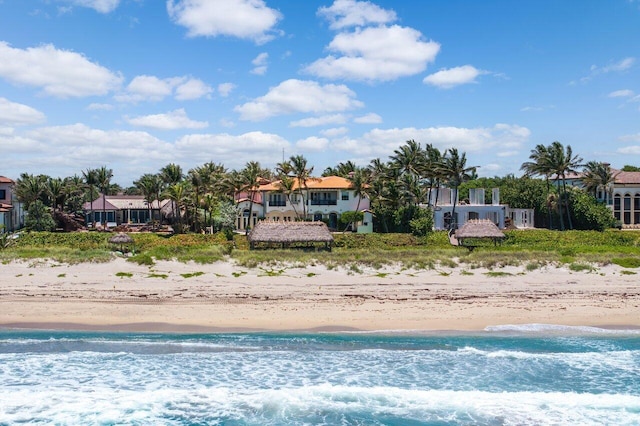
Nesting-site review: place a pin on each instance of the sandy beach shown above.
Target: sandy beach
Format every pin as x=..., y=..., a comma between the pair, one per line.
x=173, y=296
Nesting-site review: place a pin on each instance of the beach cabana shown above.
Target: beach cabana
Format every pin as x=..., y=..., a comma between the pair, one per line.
x=475, y=230
x=122, y=239
x=290, y=234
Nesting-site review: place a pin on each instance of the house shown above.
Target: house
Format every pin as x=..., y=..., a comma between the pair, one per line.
x=475, y=207
x=124, y=209
x=11, y=210
x=320, y=199
x=622, y=196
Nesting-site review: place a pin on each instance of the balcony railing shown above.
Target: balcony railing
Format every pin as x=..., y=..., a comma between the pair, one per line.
x=277, y=203
x=324, y=202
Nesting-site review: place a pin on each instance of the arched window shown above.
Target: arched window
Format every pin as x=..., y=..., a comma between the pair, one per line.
x=627, y=209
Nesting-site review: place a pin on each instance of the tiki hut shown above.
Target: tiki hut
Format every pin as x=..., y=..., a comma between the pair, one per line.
x=474, y=230
x=122, y=239
x=290, y=234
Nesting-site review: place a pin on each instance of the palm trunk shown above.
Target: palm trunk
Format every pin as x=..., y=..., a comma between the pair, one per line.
x=560, y=207
x=564, y=190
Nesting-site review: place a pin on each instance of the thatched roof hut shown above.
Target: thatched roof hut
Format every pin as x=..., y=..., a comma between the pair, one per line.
x=121, y=238
x=478, y=229
x=287, y=234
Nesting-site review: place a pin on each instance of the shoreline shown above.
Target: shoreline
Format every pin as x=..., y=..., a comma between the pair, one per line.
x=174, y=297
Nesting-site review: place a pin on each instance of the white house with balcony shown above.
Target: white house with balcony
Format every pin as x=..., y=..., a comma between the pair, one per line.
x=320, y=199
x=476, y=207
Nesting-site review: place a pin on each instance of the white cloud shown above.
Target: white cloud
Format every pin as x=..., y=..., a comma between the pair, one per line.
x=630, y=150
x=448, y=78
x=260, y=63
x=620, y=66
x=630, y=138
x=376, y=54
x=193, y=88
x=173, y=120
x=319, y=121
x=99, y=107
x=335, y=132
x=102, y=6
x=225, y=89
x=312, y=143
x=370, y=118
x=382, y=142
x=626, y=93
x=153, y=89
x=245, y=19
x=491, y=167
x=59, y=73
x=232, y=150
x=298, y=96
x=507, y=153
x=15, y=114
x=225, y=122
x=350, y=13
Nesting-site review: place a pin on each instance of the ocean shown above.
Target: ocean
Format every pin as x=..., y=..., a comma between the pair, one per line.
x=508, y=375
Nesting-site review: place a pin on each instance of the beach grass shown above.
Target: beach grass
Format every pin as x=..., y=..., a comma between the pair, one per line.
x=532, y=249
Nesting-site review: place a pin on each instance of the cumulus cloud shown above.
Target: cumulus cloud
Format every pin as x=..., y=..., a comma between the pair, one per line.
x=15, y=114
x=319, y=121
x=382, y=142
x=99, y=107
x=312, y=143
x=370, y=118
x=260, y=64
x=376, y=54
x=225, y=89
x=245, y=19
x=232, y=150
x=630, y=150
x=630, y=138
x=153, y=89
x=298, y=96
x=335, y=132
x=59, y=73
x=451, y=77
x=351, y=13
x=102, y=6
x=173, y=120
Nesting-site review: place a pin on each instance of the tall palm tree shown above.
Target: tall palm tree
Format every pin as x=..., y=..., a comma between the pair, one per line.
x=170, y=175
x=151, y=186
x=598, y=177
x=409, y=158
x=196, y=180
x=359, y=180
x=562, y=163
x=103, y=181
x=432, y=171
x=91, y=179
x=250, y=177
x=55, y=191
x=29, y=188
x=303, y=175
x=287, y=185
x=540, y=165
x=457, y=172
x=177, y=193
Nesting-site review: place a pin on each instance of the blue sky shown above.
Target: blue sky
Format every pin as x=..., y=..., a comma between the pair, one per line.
x=137, y=84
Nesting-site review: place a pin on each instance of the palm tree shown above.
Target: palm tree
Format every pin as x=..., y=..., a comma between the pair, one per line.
x=540, y=165
x=170, y=175
x=359, y=180
x=103, y=181
x=74, y=190
x=303, y=175
x=250, y=177
x=432, y=170
x=91, y=179
x=55, y=191
x=598, y=177
x=151, y=186
x=177, y=193
x=409, y=158
x=29, y=188
x=195, y=178
x=562, y=162
x=455, y=166
x=287, y=185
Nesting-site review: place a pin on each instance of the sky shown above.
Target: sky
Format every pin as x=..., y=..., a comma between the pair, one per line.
x=137, y=84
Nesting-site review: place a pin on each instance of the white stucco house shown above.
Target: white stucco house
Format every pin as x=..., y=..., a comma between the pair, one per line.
x=323, y=198
x=475, y=207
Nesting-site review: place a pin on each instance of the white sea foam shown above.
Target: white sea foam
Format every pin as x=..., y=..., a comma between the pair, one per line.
x=321, y=404
x=560, y=329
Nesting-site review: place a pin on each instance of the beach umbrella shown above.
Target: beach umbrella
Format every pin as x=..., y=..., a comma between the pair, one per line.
x=121, y=238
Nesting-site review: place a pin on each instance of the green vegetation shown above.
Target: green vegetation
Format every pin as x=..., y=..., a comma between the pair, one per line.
x=192, y=274
x=532, y=249
x=124, y=274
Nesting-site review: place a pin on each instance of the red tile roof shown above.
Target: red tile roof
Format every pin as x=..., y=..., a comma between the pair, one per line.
x=5, y=180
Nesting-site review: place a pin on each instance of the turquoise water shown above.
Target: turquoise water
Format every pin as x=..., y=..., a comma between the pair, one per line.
x=503, y=376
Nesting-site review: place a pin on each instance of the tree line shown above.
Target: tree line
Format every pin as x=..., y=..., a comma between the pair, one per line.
x=399, y=189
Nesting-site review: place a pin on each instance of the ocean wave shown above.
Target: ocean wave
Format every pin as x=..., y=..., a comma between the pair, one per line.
x=561, y=329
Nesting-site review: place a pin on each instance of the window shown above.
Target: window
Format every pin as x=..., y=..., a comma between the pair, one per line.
x=277, y=200
x=345, y=195
x=3, y=194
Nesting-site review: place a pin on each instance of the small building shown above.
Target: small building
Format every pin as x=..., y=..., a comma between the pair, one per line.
x=270, y=234
x=12, y=213
x=124, y=209
x=476, y=207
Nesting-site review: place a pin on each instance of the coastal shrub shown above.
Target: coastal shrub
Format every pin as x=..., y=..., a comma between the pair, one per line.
x=589, y=214
x=374, y=241
x=581, y=267
x=39, y=218
x=422, y=223
x=627, y=262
